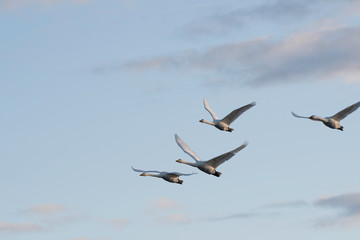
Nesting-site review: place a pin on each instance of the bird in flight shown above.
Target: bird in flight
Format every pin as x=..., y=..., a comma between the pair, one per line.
x=224, y=123
x=172, y=177
x=209, y=166
x=333, y=121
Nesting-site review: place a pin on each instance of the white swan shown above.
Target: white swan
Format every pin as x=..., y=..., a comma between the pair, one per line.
x=209, y=166
x=172, y=177
x=333, y=121
x=224, y=123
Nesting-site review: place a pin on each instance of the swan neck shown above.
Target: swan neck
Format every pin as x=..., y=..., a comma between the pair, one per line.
x=188, y=163
x=210, y=123
x=316, y=118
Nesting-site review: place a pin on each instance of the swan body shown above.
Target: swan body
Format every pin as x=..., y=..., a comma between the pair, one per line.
x=223, y=124
x=172, y=177
x=209, y=166
x=333, y=121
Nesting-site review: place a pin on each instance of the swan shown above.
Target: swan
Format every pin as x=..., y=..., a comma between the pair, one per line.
x=209, y=166
x=333, y=121
x=172, y=177
x=224, y=123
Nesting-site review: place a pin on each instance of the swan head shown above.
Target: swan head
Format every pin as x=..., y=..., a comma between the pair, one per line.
x=143, y=174
x=313, y=117
x=202, y=120
x=179, y=160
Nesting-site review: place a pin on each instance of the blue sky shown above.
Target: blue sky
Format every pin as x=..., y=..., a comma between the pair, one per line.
x=90, y=88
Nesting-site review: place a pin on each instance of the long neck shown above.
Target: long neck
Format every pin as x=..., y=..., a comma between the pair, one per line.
x=188, y=163
x=316, y=118
x=210, y=123
x=152, y=175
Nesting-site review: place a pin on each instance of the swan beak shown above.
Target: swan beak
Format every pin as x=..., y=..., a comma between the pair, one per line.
x=179, y=160
x=143, y=174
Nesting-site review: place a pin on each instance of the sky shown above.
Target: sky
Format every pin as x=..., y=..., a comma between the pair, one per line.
x=89, y=88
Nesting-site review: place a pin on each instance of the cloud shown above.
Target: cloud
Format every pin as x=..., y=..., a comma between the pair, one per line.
x=20, y=227
x=317, y=55
x=242, y=215
x=16, y=4
x=175, y=218
x=46, y=209
x=165, y=203
x=348, y=210
x=117, y=224
x=162, y=205
x=287, y=204
x=269, y=12
x=223, y=23
x=167, y=211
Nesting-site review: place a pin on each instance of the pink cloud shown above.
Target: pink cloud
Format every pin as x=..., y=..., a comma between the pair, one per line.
x=20, y=227
x=46, y=209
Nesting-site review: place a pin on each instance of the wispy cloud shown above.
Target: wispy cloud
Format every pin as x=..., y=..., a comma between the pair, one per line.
x=20, y=227
x=46, y=209
x=276, y=12
x=287, y=204
x=347, y=207
x=162, y=205
x=227, y=21
x=175, y=218
x=167, y=211
x=243, y=215
x=317, y=55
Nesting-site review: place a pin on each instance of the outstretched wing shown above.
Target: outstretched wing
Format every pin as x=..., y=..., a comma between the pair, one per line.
x=138, y=170
x=342, y=114
x=236, y=113
x=186, y=148
x=215, y=162
x=295, y=115
x=183, y=174
x=207, y=107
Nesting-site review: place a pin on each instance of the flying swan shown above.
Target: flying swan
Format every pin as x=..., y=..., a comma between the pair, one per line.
x=172, y=177
x=209, y=166
x=333, y=121
x=224, y=123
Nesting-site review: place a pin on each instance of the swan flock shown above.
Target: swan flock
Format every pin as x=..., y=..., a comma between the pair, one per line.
x=223, y=124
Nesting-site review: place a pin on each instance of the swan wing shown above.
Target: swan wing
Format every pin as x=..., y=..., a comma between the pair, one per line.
x=342, y=114
x=295, y=115
x=207, y=107
x=217, y=161
x=183, y=174
x=138, y=170
x=186, y=148
x=236, y=113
